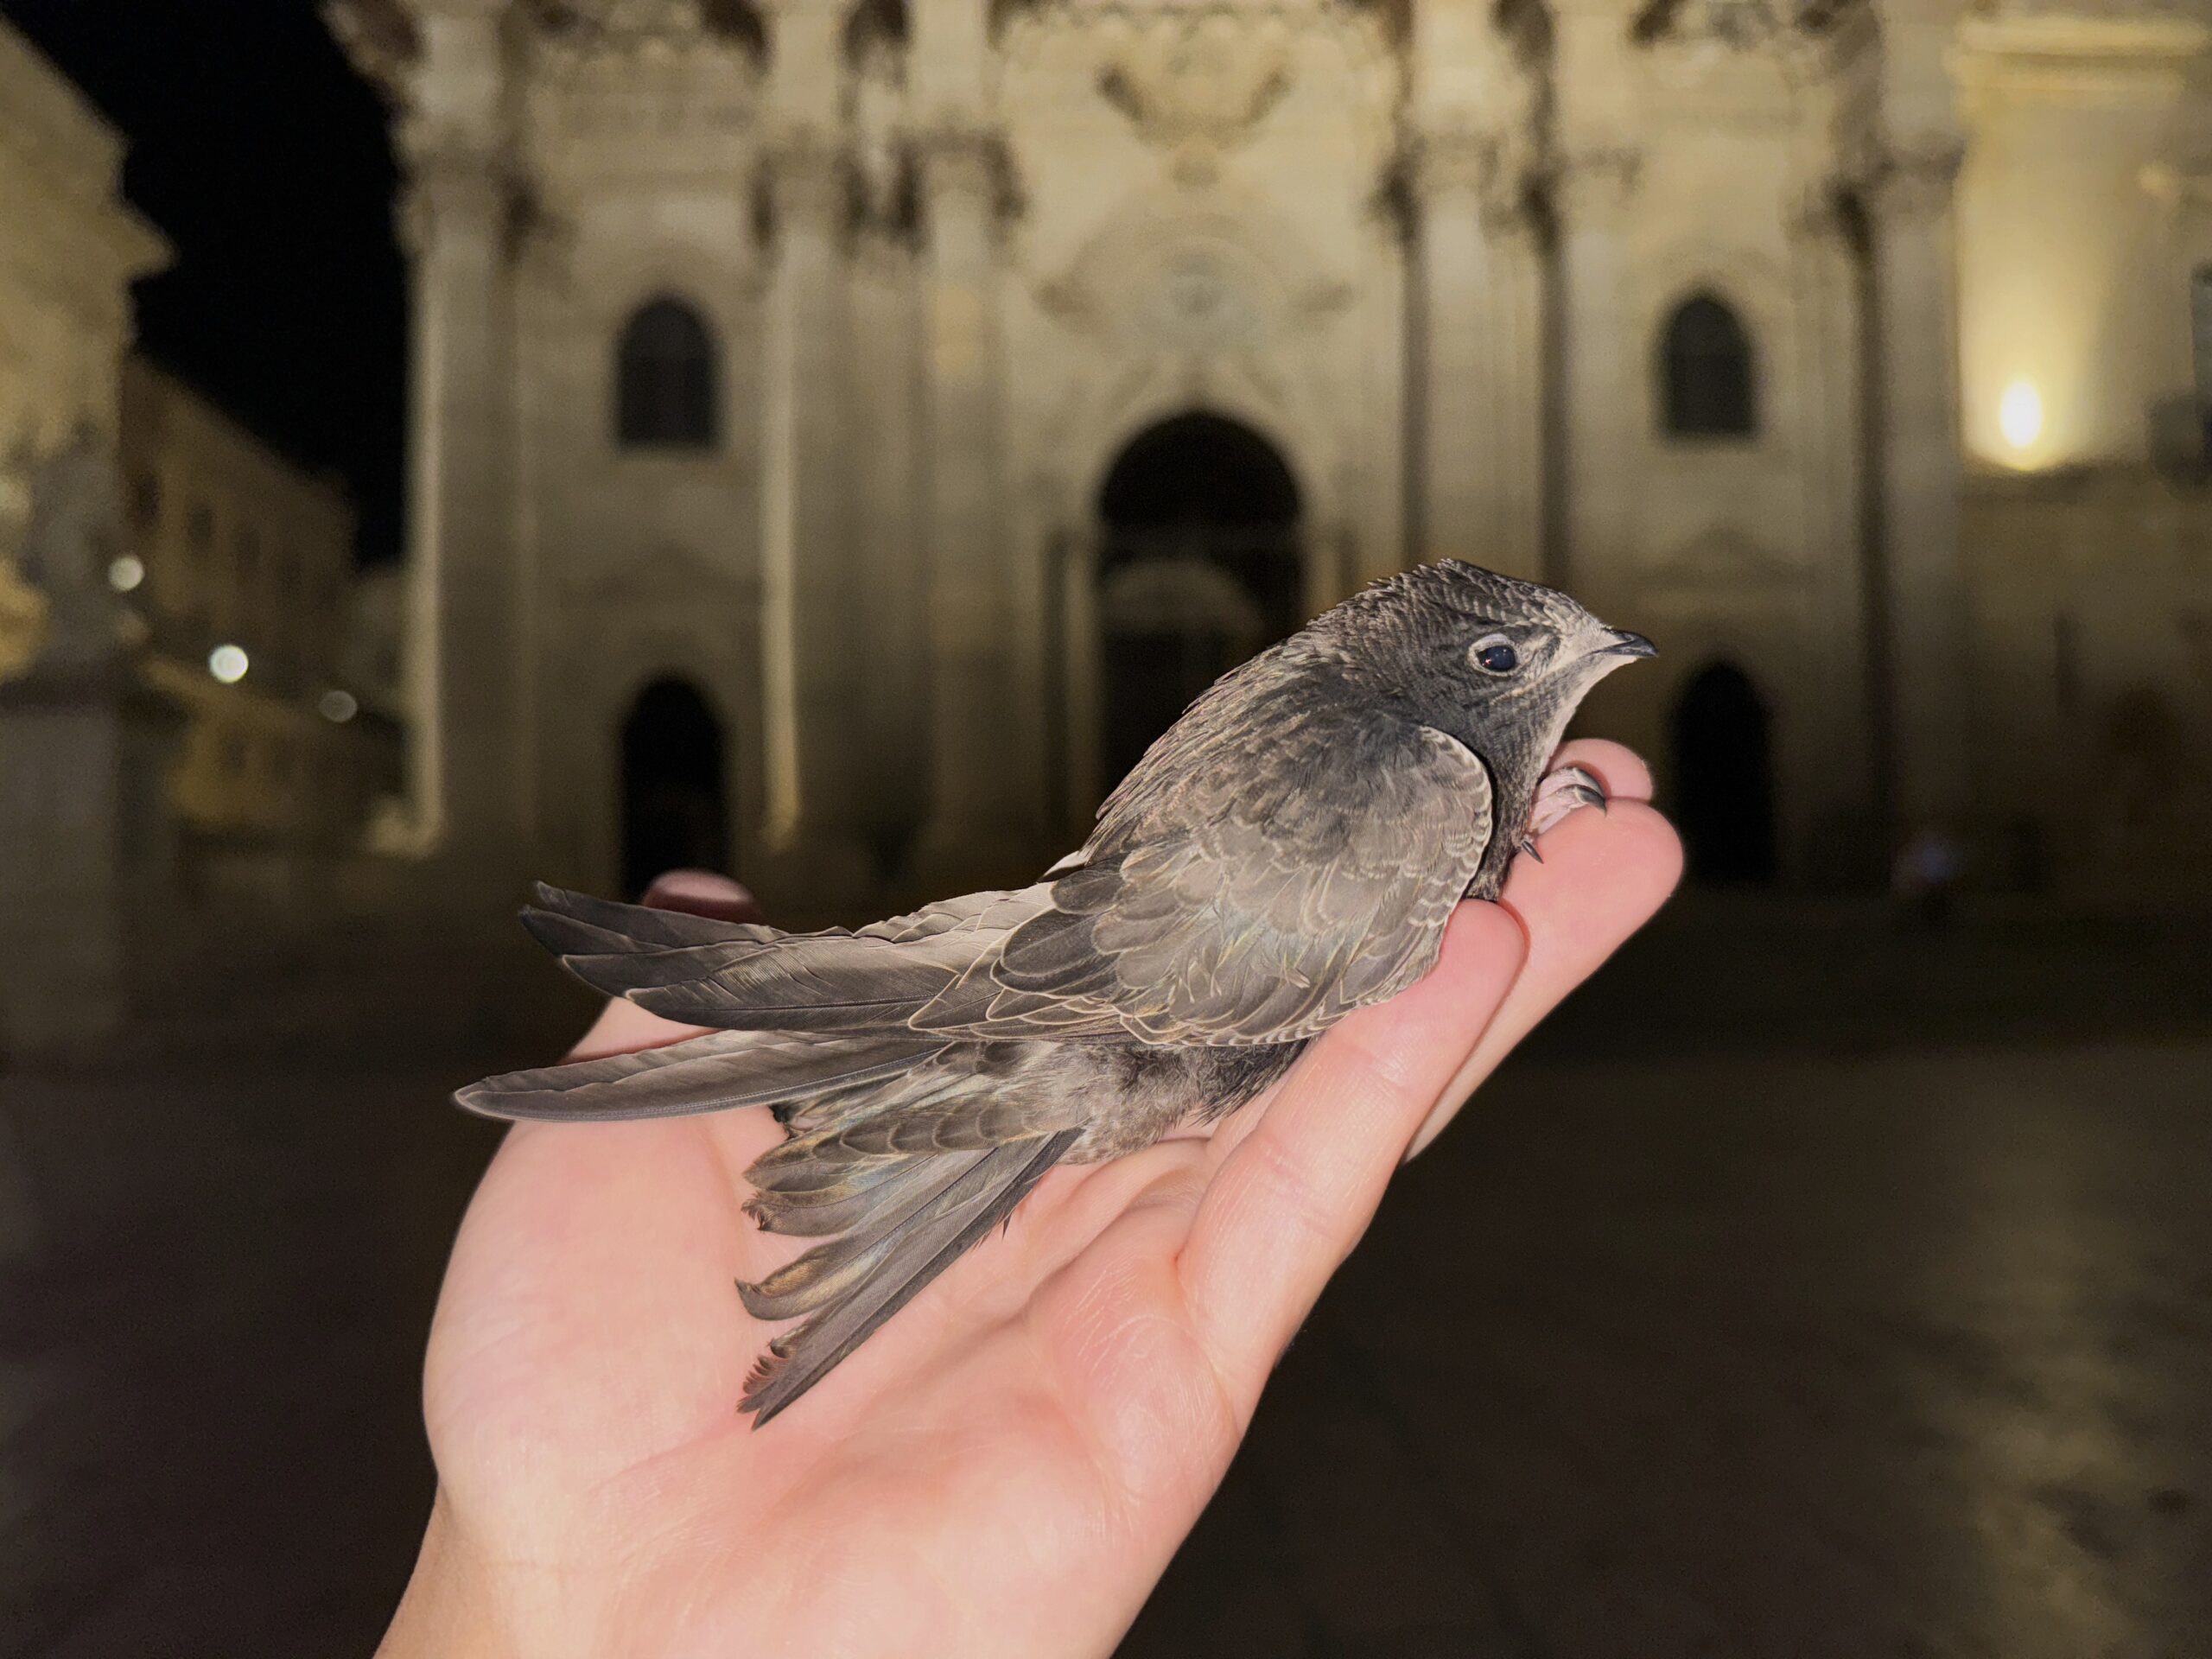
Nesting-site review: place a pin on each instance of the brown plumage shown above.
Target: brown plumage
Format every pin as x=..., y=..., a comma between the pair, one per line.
x=1289, y=851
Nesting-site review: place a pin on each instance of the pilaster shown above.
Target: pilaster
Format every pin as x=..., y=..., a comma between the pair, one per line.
x=986, y=727
x=811, y=644
x=462, y=668
x=1592, y=193
x=1479, y=368
x=1919, y=478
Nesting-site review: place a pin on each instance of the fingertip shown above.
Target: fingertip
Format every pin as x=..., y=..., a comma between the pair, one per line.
x=703, y=893
x=1620, y=768
x=1625, y=860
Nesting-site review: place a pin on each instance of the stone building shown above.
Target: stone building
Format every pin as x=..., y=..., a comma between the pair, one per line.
x=71, y=251
x=844, y=432
x=243, y=576
x=222, y=540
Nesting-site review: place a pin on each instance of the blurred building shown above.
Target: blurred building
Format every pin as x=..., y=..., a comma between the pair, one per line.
x=70, y=251
x=246, y=572
x=844, y=432
x=238, y=564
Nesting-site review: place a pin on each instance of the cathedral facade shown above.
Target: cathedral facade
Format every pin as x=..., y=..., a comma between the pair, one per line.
x=845, y=433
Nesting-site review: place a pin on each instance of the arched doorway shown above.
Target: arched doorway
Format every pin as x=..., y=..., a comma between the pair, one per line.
x=673, y=805
x=1198, y=567
x=1724, y=777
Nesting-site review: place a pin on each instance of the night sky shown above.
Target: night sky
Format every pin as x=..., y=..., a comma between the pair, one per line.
x=262, y=158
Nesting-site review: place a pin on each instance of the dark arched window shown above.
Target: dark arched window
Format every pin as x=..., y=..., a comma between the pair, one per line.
x=1707, y=385
x=665, y=389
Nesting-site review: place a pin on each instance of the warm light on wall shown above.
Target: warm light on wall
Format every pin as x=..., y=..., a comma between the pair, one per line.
x=227, y=663
x=2020, y=414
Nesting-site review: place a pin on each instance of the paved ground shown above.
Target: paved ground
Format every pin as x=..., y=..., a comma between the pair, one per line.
x=1755, y=1337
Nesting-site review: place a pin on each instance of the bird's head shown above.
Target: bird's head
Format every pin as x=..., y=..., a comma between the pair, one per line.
x=1476, y=652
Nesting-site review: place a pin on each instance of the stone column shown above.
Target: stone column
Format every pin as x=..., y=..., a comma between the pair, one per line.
x=1918, y=466
x=986, y=778
x=1603, y=369
x=1480, y=370
x=466, y=748
x=812, y=642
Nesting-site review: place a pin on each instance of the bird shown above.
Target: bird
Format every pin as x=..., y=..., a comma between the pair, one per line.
x=1289, y=851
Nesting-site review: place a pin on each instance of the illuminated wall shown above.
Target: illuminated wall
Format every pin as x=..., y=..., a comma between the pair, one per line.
x=2073, y=313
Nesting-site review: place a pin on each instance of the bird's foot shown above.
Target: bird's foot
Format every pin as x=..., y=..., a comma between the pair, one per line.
x=1559, y=794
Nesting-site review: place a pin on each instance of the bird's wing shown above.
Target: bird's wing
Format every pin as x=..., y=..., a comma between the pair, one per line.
x=1256, y=897
x=745, y=977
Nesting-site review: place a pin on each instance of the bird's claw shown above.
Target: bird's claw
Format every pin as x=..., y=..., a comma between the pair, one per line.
x=1559, y=794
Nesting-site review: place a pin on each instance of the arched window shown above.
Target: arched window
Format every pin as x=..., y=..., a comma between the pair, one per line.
x=1707, y=385
x=664, y=379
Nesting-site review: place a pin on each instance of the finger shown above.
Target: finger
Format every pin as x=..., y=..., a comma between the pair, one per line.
x=1616, y=765
x=1293, y=1197
x=1604, y=876
x=702, y=893
x=623, y=1026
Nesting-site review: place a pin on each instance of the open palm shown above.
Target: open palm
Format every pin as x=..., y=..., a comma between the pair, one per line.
x=1008, y=1464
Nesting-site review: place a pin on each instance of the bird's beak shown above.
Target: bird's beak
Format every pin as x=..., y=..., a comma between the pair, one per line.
x=1624, y=644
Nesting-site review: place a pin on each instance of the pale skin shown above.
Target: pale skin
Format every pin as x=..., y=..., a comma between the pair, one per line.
x=1008, y=1466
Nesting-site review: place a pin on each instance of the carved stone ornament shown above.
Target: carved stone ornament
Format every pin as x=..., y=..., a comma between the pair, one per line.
x=1198, y=83
x=1198, y=303
x=1596, y=185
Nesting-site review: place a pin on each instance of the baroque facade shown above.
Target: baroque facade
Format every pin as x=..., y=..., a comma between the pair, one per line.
x=844, y=432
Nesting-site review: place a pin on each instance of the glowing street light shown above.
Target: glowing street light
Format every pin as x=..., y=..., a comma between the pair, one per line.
x=125, y=573
x=227, y=663
x=2020, y=414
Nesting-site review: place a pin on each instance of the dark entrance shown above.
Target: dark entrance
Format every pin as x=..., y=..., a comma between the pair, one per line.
x=1724, y=778
x=1199, y=568
x=673, y=813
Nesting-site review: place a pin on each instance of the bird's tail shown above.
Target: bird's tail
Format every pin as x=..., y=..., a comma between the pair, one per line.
x=910, y=1217
x=899, y=1154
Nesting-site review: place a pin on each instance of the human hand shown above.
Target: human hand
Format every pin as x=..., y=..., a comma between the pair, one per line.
x=1008, y=1464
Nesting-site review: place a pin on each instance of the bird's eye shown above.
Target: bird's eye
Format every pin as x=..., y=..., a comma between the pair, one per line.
x=1495, y=655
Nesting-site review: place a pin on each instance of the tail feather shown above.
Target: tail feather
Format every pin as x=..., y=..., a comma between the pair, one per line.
x=880, y=1280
